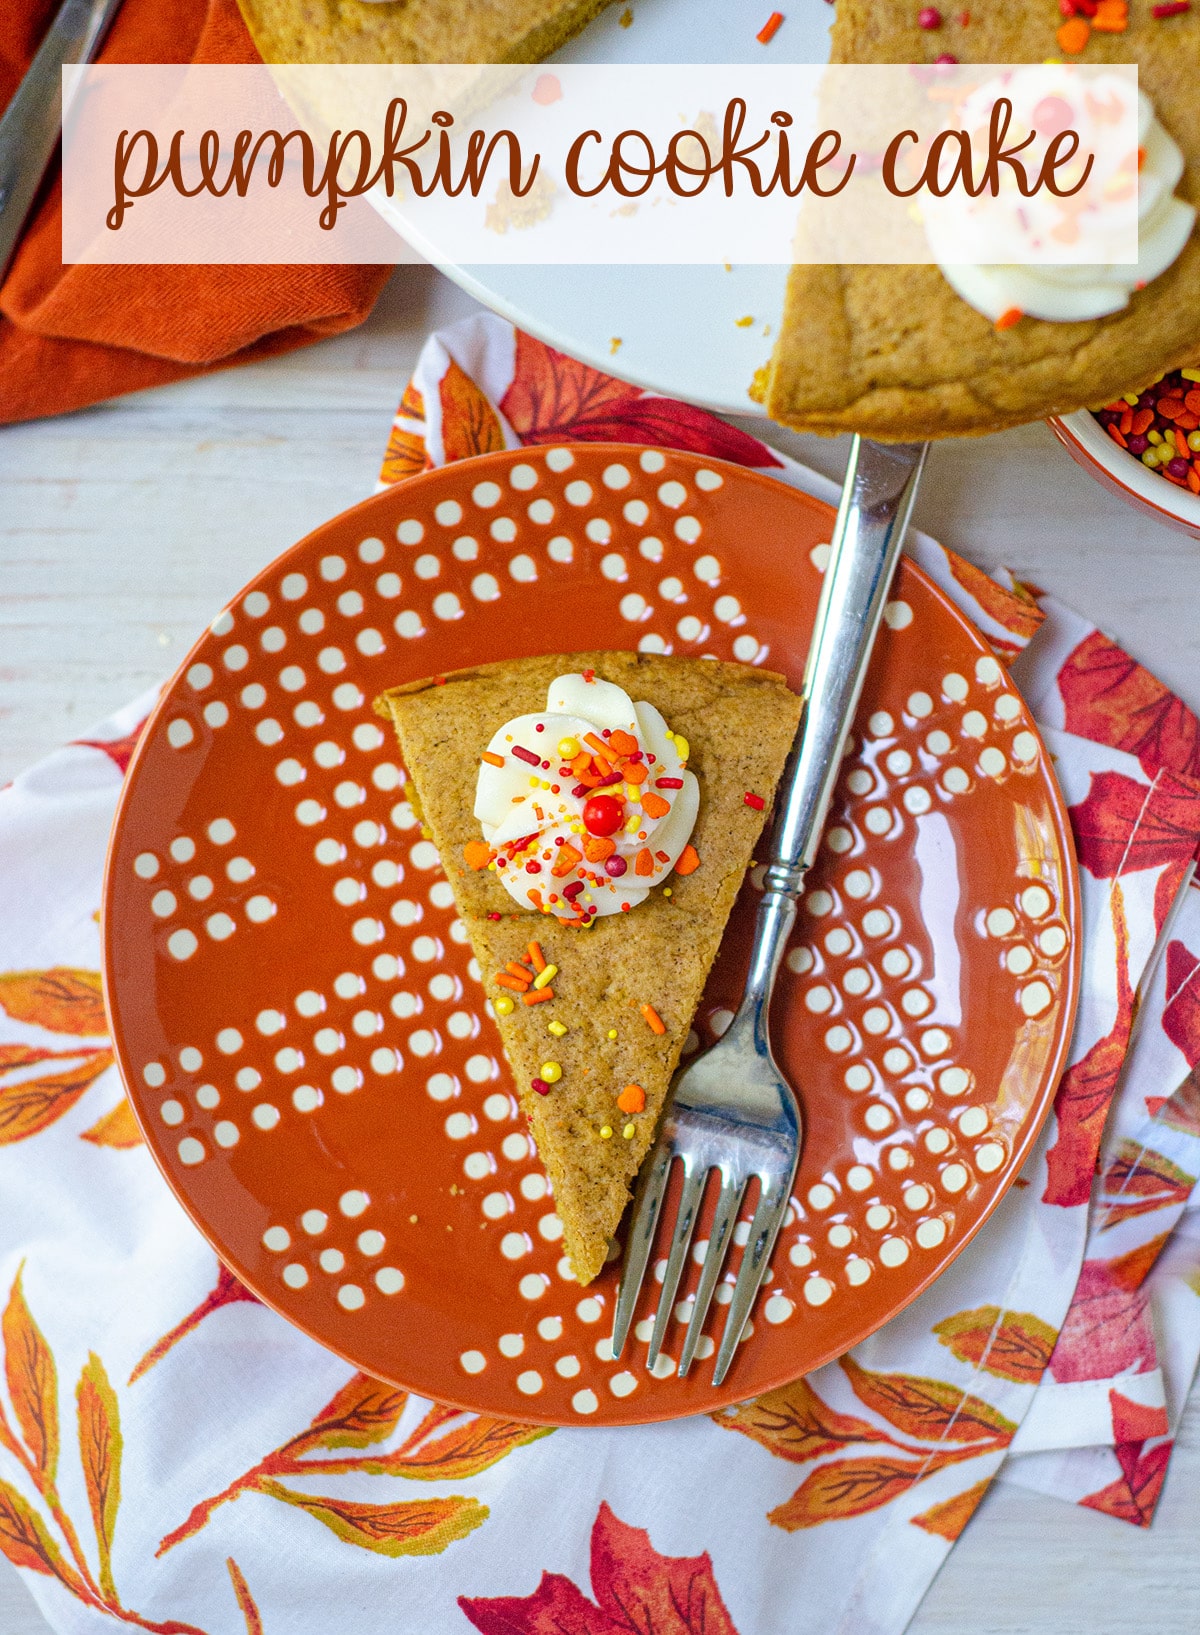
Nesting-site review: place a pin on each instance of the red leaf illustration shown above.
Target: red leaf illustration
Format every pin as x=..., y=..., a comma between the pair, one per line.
x=1138, y=1181
x=32, y=1381
x=794, y=1423
x=1181, y=1013
x=1133, y=1422
x=553, y=398
x=245, y=1600
x=1135, y=1493
x=949, y=1518
x=1013, y=1345
x=929, y=1409
x=1108, y=1328
x=227, y=1292
x=1082, y=1100
x=119, y=750
x=637, y=1590
x=852, y=1487
x=556, y=1607
x=64, y=1001
x=469, y=423
x=644, y=1591
x=1123, y=825
x=1109, y=698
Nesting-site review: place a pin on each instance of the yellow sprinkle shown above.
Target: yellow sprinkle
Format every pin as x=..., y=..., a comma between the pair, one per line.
x=1190, y=374
x=670, y=734
x=632, y=792
x=1131, y=399
x=544, y=978
x=556, y=1028
x=612, y=1033
x=628, y=1132
x=633, y=824
x=551, y=1072
x=744, y=323
x=535, y=783
x=1154, y=436
x=502, y=1005
x=568, y=748
x=666, y=891
x=492, y=865
x=681, y=747
x=606, y=1132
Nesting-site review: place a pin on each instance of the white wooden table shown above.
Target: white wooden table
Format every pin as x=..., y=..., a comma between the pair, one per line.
x=125, y=528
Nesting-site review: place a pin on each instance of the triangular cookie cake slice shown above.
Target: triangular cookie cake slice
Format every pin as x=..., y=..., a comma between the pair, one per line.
x=595, y=814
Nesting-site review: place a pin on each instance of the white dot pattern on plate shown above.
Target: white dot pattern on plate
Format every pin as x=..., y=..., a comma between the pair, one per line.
x=866, y=975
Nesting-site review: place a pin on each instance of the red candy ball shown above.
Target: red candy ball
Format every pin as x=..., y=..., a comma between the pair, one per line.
x=602, y=815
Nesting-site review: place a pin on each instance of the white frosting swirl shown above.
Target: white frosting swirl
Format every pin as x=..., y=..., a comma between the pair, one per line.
x=531, y=806
x=1067, y=290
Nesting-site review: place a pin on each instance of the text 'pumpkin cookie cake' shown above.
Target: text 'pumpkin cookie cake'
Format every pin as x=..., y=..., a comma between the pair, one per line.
x=595, y=814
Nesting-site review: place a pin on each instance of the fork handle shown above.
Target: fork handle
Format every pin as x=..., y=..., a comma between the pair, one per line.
x=877, y=495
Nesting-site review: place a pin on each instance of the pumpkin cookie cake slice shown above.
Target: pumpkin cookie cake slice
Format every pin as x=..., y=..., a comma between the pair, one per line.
x=595, y=814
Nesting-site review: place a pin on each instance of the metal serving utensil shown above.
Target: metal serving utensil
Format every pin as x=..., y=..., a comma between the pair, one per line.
x=32, y=122
x=731, y=1109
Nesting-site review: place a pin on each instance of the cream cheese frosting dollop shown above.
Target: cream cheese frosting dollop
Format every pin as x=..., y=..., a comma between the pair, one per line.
x=1068, y=289
x=592, y=743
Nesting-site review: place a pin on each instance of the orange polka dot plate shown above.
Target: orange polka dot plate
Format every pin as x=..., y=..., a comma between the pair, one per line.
x=301, y=1025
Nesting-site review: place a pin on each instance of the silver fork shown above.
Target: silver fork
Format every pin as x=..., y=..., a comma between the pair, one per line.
x=731, y=1110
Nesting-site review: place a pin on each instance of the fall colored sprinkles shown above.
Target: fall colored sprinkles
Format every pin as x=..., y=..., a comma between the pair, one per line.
x=1161, y=427
x=653, y=1020
x=753, y=800
x=770, y=28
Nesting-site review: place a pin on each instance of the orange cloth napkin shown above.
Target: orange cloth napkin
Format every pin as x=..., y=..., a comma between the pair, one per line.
x=73, y=335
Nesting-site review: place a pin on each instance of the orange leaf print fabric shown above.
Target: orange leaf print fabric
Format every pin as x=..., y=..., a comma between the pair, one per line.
x=845, y=1488
x=64, y=1001
x=928, y=1408
x=1016, y=612
x=30, y=1105
x=245, y=1601
x=1124, y=826
x=100, y=1450
x=469, y=423
x=1012, y=1345
x=419, y=1527
x=32, y=1381
x=117, y=1128
x=949, y=1518
x=794, y=1423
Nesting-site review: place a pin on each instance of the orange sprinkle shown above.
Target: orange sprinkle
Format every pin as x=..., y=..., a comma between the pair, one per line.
x=597, y=744
x=632, y=1099
x=537, y=996
x=1014, y=314
x=622, y=742
x=596, y=848
x=516, y=970
x=477, y=854
x=654, y=805
x=635, y=772
x=643, y=863
x=565, y=862
x=1073, y=36
x=505, y=981
x=1112, y=17
x=492, y=760
x=688, y=861
x=536, y=958
x=653, y=1020
x=770, y=28
x=582, y=763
